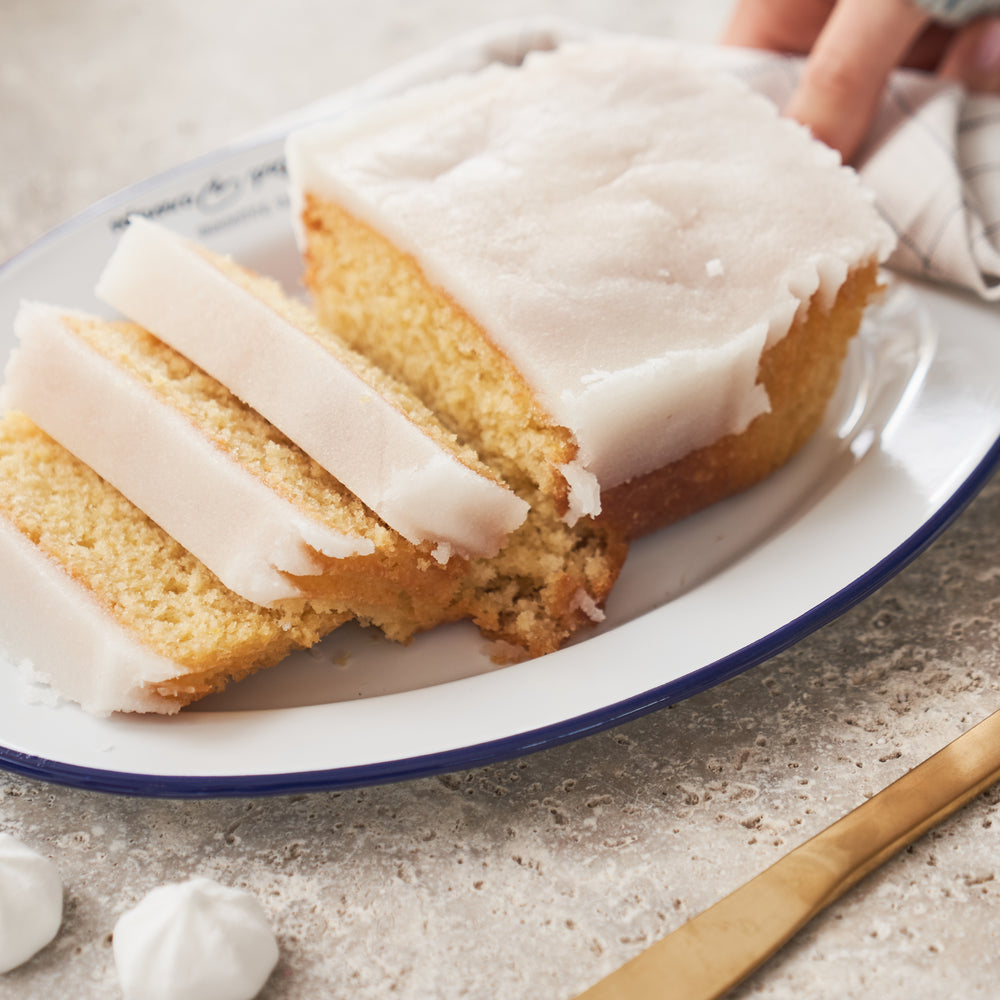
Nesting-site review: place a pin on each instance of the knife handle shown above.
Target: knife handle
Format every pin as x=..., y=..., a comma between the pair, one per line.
x=712, y=952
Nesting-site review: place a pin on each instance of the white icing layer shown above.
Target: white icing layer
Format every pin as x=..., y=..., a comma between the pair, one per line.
x=88, y=658
x=631, y=231
x=416, y=486
x=31, y=902
x=195, y=940
x=217, y=509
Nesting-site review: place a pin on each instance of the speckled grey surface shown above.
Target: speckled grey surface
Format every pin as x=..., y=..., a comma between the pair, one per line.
x=531, y=878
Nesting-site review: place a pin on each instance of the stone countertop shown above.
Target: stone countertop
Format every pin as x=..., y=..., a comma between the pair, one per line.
x=535, y=877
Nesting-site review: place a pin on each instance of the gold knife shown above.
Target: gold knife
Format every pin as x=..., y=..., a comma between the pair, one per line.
x=717, y=949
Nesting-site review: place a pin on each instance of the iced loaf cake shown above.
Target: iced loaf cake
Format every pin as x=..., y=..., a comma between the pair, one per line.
x=621, y=279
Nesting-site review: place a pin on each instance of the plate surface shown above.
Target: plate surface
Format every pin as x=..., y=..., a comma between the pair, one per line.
x=913, y=432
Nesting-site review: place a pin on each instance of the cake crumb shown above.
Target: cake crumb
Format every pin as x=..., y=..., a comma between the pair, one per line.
x=505, y=654
x=442, y=553
x=582, y=601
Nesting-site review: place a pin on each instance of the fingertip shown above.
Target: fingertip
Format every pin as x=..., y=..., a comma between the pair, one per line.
x=847, y=70
x=834, y=101
x=840, y=135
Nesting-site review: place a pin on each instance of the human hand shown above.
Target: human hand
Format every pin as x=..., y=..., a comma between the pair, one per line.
x=853, y=46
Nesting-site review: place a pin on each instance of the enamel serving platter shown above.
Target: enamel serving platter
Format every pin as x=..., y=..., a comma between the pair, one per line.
x=912, y=433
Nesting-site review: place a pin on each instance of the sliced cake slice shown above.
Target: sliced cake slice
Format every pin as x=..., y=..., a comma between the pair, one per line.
x=264, y=517
x=105, y=606
x=369, y=432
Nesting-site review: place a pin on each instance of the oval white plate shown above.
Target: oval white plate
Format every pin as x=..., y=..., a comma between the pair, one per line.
x=913, y=432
